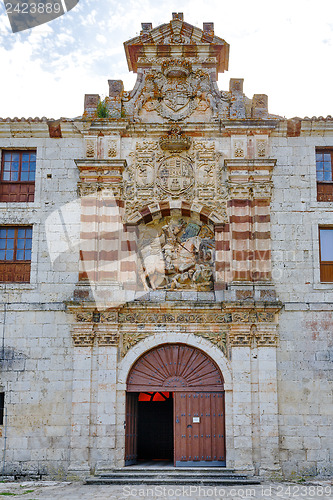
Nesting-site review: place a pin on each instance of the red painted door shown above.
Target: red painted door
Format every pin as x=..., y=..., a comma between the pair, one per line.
x=199, y=429
x=131, y=428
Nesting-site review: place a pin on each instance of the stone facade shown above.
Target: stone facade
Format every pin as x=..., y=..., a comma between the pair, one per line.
x=186, y=215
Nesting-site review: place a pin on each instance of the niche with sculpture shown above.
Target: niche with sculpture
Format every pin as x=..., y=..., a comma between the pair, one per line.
x=176, y=253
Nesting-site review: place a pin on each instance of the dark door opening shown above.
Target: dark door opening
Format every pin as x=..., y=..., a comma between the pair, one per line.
x=155, y=426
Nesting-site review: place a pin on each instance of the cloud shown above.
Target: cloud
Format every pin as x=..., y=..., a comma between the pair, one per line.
x=281, y=49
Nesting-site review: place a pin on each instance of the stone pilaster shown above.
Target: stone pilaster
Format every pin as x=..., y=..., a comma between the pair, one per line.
x=105, y=441
x=268, y=408
x=83, y=338
x=241, y=366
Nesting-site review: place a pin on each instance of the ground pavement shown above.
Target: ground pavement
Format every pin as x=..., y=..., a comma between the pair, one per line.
x=55, y=490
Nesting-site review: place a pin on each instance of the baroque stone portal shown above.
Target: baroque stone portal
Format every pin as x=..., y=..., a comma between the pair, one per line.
x=176, y=253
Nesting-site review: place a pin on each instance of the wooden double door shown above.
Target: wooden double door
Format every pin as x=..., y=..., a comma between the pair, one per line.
x=175, y=408
x=186, y=429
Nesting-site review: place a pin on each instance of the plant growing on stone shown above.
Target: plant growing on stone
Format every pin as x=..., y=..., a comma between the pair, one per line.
x=102, y=109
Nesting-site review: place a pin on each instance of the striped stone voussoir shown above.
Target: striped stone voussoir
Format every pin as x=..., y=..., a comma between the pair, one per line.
x=195, y=210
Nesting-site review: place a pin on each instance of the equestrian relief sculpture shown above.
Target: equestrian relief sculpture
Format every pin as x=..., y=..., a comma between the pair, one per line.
x=177, y=254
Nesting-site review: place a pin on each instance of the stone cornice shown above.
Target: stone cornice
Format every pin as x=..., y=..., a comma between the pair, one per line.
x=251, y=164
x=247, y=124
x=91, y=164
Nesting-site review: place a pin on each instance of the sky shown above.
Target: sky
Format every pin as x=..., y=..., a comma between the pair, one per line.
x=281, y=48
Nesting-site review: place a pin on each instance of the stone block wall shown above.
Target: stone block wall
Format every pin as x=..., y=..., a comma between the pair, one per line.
x=304, y=361
x=36, y=348
x=36, y=376
x=306, y=323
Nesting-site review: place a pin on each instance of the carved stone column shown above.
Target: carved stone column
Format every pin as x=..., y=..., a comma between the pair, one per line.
x=222, y=256
x=249, y=205
x=102, y=230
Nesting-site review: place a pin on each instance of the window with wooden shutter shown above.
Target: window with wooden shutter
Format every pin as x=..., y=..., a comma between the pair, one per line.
x=324, y=166
x=17, y=181
x=326, y=254
x=15, y=254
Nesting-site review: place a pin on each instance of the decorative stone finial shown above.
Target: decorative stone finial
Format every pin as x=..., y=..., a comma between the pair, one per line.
x=146, y=27
x=178, y=15
x=208, y=28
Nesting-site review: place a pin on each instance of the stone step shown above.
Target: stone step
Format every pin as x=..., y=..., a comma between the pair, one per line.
x=211, y=476
x=202, y=481
x=164, y=475
x=197, y=471
x=161, y=470
x=130, y=468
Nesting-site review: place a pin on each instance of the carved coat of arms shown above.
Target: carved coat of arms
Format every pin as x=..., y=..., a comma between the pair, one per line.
x=175, y=175
x=179, y=96
x=174, y=92
x=177, y=93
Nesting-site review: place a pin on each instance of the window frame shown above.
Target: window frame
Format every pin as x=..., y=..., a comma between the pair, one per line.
x=15, y=191
x=20, y=152
x=324, y=188
x=324, y=263
x=17, y=269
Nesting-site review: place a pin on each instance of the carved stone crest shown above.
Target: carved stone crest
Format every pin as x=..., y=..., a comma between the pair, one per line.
x=175, y=175
x=174, y=92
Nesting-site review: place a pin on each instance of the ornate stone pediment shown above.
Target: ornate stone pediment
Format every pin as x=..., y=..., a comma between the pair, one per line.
x=178, y=66
x=177, y=32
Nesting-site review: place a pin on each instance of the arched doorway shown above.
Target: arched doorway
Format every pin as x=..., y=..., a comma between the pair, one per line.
x=175, y=408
